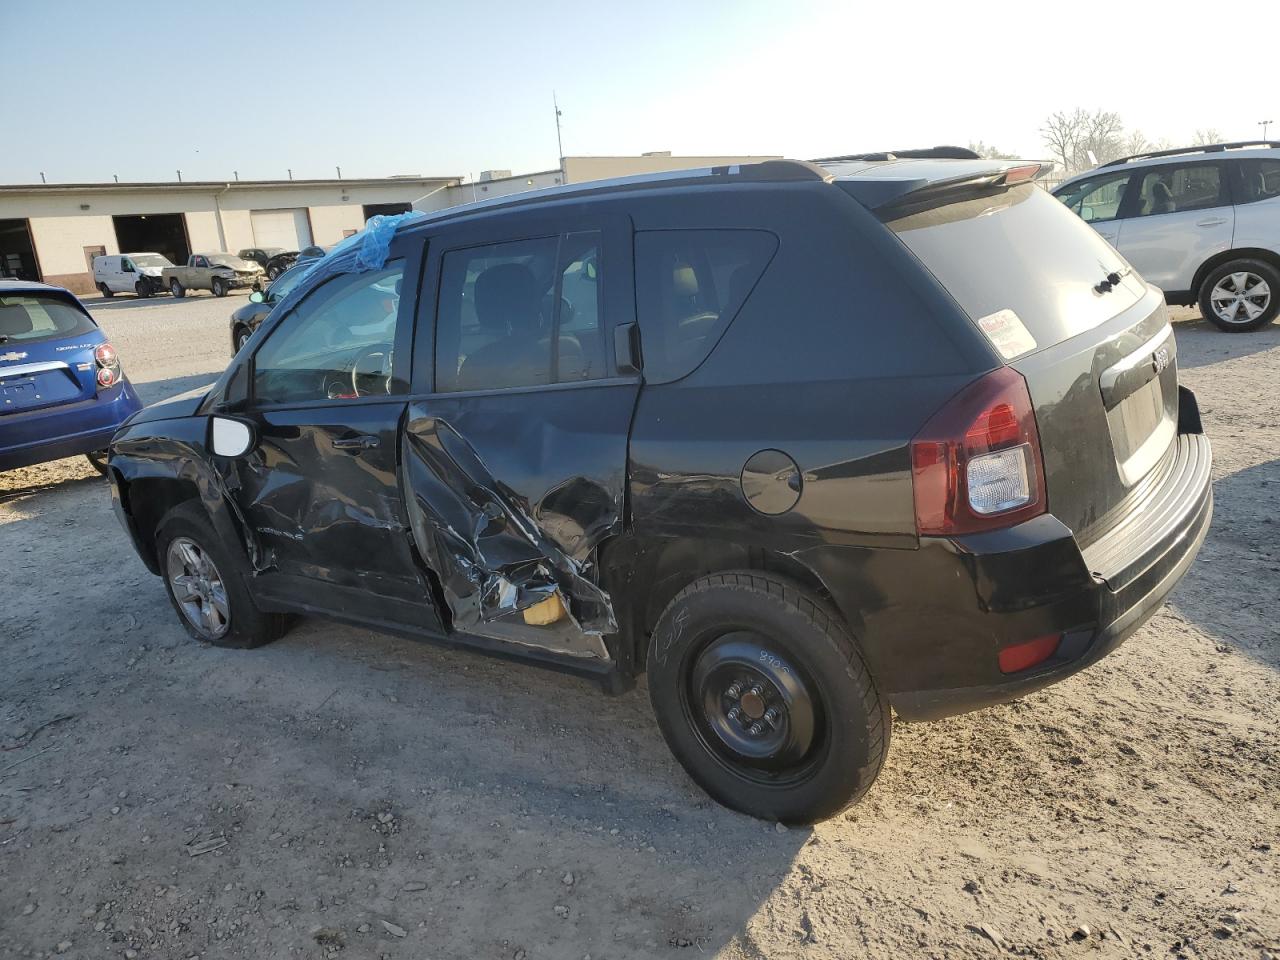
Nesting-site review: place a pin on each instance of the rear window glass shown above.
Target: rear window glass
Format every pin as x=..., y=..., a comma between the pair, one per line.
x=1019, y=259
x=30, y=319
x=689, y=286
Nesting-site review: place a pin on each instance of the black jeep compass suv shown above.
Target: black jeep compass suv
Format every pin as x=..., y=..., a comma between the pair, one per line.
x=805, y=443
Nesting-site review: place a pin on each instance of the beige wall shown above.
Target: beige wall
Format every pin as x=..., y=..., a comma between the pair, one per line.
x=60, y=243
x=582, y=169
x=328, y=223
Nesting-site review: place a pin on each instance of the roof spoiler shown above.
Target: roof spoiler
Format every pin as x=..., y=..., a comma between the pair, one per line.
x=897, y=197
x=924, y=153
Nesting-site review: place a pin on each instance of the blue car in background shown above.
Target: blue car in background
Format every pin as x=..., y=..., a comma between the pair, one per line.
x=62, y=389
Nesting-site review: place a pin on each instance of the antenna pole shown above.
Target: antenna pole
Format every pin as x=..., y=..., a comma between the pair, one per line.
x=559, y=144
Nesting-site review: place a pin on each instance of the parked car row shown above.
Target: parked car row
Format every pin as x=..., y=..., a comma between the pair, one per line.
x=147, y=274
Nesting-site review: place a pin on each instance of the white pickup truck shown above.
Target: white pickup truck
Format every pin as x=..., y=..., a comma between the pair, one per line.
x=217, y=272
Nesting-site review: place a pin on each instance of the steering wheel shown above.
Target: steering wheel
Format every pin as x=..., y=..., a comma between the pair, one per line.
x=383, y=374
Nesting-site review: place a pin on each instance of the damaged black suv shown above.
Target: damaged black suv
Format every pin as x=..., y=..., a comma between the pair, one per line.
x=806, y=443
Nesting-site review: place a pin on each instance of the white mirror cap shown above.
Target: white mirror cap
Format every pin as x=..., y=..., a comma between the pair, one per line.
x=230, y=438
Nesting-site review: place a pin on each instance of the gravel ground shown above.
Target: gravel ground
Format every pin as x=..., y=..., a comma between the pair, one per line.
x=341, y=793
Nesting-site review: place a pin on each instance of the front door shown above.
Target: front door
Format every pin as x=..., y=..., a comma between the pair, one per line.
x=515, y=460
x=320, y=492
x=1098, y=202
x=1175, y=217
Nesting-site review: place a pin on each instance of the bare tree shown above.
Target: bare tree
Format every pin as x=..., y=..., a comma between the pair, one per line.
x=992, y=152
x=1136, y=143
x=1083, y=139
x=1205, y=137
x=1061, y=134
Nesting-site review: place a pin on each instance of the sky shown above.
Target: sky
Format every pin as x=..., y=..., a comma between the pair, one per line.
x=381, y=87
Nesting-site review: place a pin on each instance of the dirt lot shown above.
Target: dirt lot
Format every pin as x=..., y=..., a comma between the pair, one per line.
x=340, y=793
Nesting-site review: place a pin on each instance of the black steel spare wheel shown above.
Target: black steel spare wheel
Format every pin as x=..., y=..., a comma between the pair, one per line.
x=752, y=707
x=764, y=698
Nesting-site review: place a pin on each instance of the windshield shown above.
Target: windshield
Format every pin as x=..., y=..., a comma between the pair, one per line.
x=32, y=318
x=286, y=282
x=228, y=260
x=149, y=260
x=272, y=251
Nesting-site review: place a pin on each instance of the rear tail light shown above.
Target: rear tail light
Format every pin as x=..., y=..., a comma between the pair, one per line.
x=976, y=465
x=1024, y=656
x=108, y=363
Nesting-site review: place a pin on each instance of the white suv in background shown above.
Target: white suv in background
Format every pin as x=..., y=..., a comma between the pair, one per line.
x=1202, y=222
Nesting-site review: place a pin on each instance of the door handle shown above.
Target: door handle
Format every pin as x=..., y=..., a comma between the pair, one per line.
x=362, y=442
x=1211, y=222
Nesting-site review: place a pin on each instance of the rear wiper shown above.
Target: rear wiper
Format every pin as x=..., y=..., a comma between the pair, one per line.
x=1112, y=280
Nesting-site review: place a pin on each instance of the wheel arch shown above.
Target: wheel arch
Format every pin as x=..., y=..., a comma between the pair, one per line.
x=1269, y=257
x=644, y=577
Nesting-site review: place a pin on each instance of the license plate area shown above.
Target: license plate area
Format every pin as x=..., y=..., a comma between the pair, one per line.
x=1140, y=394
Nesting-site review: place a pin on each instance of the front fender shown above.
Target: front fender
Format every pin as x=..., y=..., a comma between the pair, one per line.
x=157, y=465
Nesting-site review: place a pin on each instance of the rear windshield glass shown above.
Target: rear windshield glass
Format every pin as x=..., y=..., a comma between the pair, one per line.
x=29, y=319
x=1021, y=264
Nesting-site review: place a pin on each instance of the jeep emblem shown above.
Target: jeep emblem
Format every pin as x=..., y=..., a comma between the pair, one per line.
x=1160, y=360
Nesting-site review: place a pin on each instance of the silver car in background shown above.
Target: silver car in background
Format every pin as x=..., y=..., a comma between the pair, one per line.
x=1203, y=223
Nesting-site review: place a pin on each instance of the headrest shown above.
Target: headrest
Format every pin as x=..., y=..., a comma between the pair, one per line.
x=14, y=321
x=684, y=282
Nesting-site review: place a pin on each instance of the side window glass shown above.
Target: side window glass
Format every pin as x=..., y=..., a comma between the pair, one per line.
x=1098, y=199
x=336, y=344
x=1174, y=189
x=1261, y=179
x=580, y=342
x=496, y=315
x=201, y=262
x=689, y=286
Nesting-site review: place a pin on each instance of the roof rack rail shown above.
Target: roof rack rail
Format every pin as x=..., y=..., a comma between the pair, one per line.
x=923, y=153
x=1204, y=148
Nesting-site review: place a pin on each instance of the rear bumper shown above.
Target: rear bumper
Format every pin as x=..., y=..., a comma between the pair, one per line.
x=67, y=431
x=933, y=620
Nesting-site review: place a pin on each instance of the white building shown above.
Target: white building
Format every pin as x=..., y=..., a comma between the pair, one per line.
x=53, y=231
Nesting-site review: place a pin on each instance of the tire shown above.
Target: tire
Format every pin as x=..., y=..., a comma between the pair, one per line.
x=218, y=581
x=219, y=287
x=273, y=272
x=1221, y=304
x=242, y=336
x=105, y=291
x=765, y=647
x=175, y=288
x=98, y=459
x=143, y=290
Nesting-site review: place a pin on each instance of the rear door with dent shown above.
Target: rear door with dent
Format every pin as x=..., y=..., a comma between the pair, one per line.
x=515, y=454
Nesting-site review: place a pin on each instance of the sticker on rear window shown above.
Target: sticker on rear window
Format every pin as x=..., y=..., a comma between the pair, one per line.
x=1007, y=333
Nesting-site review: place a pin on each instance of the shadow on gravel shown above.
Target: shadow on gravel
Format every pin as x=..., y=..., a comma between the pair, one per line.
x=30, y=481
x=153, y=391
x=1201, y=344
x=1233, y=591
x=125, y=301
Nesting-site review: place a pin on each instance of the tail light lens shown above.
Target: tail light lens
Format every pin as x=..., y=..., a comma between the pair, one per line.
x=108, y=364
x=976, y=465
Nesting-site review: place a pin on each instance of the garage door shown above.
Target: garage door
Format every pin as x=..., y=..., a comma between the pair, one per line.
x=281, y=228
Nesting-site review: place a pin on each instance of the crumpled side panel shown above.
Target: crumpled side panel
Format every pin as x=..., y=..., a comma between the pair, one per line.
x=363, y=251
x=482, y=540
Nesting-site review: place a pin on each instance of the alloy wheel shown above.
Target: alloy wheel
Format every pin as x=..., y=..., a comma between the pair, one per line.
x=1240, y=297
x=198, y=588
